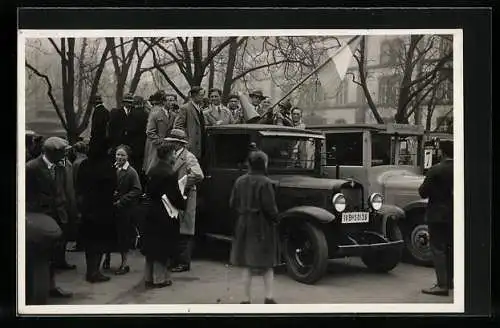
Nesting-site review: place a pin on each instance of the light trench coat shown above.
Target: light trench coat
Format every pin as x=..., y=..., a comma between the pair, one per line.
x=187, y=164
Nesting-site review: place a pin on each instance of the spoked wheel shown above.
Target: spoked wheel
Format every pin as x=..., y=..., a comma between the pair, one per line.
x=418, y=244
x=306, y=252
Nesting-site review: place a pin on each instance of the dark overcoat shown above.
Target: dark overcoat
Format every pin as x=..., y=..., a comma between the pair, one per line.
x=438, y=188
x=160, y=231
x=128, y=191
x=192, y=122
x=255, y=243
x=97, y=181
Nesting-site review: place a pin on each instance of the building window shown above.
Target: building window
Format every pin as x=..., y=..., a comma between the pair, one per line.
x=360, y=96
x=389, y=90
x=389, y=51
x=342, y=93
x=444, y=92
x=445, y=124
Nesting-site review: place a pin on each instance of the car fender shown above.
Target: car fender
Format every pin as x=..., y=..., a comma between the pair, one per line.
x=313, y=213
x=421, y=203
x=390, y=212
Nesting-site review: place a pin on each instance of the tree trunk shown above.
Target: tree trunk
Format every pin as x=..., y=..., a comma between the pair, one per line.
x=211, y=67
x=197, y=58
x=405, y=88
x=364, y=83
x=81, y=79
x=228, y=79
x=69, y=104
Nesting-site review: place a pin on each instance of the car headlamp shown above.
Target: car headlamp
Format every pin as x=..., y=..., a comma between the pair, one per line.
x=375, y=201
x=339, y=202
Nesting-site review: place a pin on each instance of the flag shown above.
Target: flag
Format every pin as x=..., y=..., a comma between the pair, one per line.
x=332, y=73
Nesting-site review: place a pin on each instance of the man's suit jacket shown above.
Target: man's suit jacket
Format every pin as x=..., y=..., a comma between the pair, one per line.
x=44, y=196
x=438, y=188
x=158, y=127
x=188, y=120
x=187, y=164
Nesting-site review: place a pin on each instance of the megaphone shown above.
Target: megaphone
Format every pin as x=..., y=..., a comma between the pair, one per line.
x=249, y=113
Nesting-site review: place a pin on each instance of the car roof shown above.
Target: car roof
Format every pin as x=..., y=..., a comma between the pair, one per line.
x=267, y=130
x=390, y=128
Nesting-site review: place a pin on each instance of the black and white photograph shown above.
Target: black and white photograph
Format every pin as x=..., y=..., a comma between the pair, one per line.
x=240, y=171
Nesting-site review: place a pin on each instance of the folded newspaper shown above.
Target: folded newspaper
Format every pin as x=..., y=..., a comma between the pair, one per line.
x=172, y=211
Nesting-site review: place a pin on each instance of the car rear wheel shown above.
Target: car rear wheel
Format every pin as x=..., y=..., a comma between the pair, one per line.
x=305, y=251
x=383, y=261
x=418, y=243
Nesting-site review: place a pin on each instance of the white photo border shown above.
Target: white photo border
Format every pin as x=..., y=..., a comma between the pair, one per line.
x=458, y=305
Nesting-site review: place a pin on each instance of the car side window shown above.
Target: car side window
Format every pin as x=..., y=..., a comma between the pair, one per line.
x=344, y=149
x=231, y=150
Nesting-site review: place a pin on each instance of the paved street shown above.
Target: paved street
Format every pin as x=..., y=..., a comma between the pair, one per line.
x=211, y=281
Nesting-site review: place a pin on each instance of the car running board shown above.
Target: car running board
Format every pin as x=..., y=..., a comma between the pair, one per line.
x=219, y=237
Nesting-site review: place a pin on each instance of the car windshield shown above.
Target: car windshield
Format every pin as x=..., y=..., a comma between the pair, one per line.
x=290, y=152
x=395, y=150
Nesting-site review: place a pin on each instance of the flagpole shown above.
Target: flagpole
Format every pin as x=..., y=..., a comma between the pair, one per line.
x=314, y=71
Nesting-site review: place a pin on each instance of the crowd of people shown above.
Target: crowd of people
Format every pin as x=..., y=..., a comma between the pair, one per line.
x=135, y=156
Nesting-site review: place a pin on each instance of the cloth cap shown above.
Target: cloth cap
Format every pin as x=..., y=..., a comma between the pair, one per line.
x=56, y=144
x=177, y=135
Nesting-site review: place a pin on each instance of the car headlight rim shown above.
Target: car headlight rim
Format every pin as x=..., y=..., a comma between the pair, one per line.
x=339, y=202
x=376, y=201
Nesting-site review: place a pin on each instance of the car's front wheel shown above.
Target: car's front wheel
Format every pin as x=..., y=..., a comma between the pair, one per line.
x=305, y=251
x=383, y=261
x=417, y=241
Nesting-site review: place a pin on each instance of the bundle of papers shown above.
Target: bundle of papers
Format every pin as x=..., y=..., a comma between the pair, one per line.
x=172, y=211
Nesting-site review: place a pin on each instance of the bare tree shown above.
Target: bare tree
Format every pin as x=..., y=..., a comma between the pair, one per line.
x=74, y=120
x=418, y=65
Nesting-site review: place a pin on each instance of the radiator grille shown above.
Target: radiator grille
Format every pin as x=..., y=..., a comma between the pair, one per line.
x=354, y=198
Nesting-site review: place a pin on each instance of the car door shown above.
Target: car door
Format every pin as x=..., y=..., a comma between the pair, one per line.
x=229, y=153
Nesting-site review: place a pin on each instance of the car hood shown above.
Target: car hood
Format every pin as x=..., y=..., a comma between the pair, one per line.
x=306, y=182
x=400, y=187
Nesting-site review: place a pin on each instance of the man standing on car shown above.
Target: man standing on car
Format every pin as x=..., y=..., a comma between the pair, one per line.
x=438, y=188
x=186, y=165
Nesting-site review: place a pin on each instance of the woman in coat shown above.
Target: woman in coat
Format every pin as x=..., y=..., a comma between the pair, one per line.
x=255, y=240
x=161, y=230
x=127, y=193
x=96, y=182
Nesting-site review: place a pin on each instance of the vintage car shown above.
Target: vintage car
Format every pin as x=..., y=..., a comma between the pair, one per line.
x=387, y=159
x=320, y=218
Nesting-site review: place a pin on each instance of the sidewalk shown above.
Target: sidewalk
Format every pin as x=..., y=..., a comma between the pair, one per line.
x=99, y=293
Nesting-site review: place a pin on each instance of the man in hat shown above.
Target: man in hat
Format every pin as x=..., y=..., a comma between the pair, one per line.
x=234, y=107
x=256, y=98
x=217, y=114
x=192, y=121
x=136, y=134
x=118, y=119
x=160, y=123
x=48, y=192
x=186, y=165
x=99, y=122
x=438, y=188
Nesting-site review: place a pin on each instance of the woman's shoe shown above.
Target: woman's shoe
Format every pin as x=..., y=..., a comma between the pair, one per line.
x=245, y=302
x=123, y=270
x=149, y=284
x=270, y=301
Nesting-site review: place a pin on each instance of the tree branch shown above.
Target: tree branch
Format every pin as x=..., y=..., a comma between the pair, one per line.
x=57, y=49
x=166, y=77
x=49, y=93
x=239, y=76
x=216, y=51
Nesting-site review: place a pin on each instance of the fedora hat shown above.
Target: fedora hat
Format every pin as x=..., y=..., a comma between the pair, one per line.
x=257, y=93
x=177, y=135
x=128, y=98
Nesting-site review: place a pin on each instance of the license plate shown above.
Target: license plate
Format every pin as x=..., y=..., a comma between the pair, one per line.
x=355, y=217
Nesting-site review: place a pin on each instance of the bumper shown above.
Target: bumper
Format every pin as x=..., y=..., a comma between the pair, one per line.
x=358, y=249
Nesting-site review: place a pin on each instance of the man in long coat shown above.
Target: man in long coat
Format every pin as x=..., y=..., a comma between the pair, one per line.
x=48, y=191
x=99, y=123
x=160, y=123
x=438, y=188
x=192, y=121
x=186, y=165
